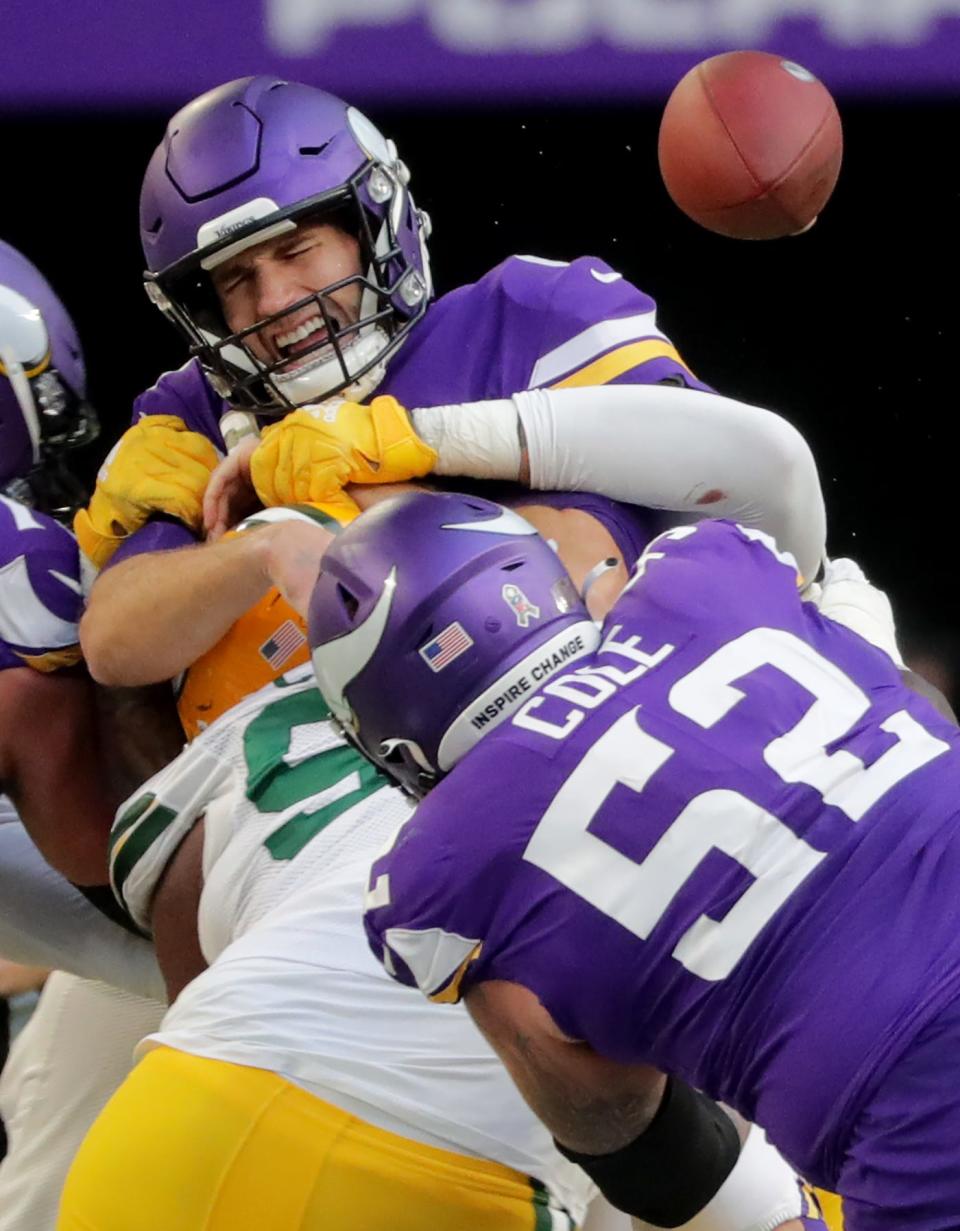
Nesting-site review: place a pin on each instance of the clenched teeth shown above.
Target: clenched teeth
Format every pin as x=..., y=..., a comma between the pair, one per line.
x=314, y=325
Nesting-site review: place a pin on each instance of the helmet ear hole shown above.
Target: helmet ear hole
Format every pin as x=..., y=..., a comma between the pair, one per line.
x=350, y=601
x=391, y=753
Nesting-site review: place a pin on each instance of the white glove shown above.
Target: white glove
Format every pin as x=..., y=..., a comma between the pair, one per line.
x=845, y=595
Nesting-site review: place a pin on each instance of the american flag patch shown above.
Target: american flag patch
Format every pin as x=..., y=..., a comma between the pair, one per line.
x=446, y=646
x=285, y=641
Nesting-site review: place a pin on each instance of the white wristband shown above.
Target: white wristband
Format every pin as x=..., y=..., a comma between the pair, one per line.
x=478, y=439
x=759, y=1194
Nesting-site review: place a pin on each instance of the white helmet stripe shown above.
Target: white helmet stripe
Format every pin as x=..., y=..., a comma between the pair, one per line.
x=506, y=522
x=24, y=395
x=340, y=661
x=24, y=329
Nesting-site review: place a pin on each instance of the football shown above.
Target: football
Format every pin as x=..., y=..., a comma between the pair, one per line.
x=750, y=145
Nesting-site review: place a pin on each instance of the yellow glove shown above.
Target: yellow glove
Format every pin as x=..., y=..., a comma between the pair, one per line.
x=157, y=466
x=317, y=450
x=340, y=507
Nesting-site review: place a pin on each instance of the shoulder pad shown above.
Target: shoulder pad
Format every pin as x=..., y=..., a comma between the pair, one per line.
x=710, y=575
x=40, y=589
x=187, y=393
x=594, y=326
x=585, y=289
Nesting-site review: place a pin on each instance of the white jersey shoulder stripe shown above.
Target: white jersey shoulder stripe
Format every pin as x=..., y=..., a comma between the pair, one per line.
x=23, y=517
x=24, y=620
x=72, y=583
x=542, y=260
x=591, y=343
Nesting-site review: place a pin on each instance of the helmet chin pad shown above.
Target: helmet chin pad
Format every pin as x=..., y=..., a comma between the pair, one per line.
x=313, y=382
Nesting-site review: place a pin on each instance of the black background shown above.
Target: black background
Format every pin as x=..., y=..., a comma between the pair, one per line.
x=850, y=331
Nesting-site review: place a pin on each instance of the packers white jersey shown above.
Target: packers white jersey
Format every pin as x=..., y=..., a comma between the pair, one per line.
x=293, y=819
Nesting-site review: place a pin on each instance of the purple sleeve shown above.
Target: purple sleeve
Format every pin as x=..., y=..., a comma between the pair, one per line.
x=595, y=327
x=40, y=591
x=434, y=909
x=630, y=526
x=455, y=904
x=408, y=916
x=532, y=323
x=186, y=393
x=160, y=534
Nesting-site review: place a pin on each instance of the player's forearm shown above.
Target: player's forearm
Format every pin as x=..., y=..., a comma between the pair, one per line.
x=57, y=712
x=652, y=445
x=46, y=921
x=151, y=616
x=141, y=728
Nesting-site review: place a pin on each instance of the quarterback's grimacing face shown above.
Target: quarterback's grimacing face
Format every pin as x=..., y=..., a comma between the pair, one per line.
x=270, y=277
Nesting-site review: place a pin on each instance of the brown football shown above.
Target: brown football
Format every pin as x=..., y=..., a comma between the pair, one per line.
x=750, y=145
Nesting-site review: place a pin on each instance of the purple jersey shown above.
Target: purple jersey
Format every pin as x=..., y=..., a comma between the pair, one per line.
x=533, y=324
x=528, y=323
x=40, y=591
x=726, y=845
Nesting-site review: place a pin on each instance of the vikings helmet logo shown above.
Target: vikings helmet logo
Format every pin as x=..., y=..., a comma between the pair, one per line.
x=520, y=605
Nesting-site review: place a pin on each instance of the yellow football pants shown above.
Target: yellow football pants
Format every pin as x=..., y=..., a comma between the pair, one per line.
x=188, y=1144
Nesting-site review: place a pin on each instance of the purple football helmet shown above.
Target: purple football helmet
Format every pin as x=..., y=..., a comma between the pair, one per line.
x=435, y=617
x=245, y=163
x=43, y=406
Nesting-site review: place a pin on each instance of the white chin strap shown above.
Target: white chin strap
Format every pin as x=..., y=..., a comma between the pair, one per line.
x=315, y=381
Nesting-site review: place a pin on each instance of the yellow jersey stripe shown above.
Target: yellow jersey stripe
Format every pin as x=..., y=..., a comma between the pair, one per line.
x=618, y=361
x=831, y=1209
x=595, y=340
x=52, y=660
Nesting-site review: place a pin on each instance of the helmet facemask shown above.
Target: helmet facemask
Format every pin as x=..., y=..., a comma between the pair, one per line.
x=55, y=420
x=58, y=422
x=349, y=358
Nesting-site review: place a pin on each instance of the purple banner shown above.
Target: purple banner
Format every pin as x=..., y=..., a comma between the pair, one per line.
x=68, y=53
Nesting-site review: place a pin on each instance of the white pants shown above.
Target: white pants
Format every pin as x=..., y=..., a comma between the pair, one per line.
x=63, y=1067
